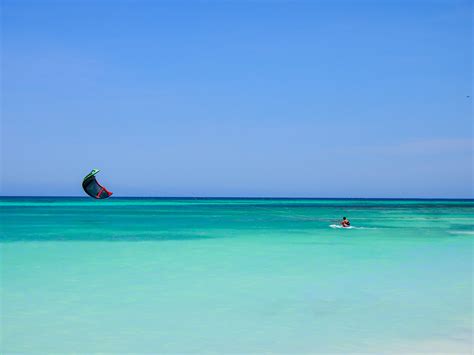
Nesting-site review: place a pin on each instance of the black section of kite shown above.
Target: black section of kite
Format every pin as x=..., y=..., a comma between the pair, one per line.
x=93, y=188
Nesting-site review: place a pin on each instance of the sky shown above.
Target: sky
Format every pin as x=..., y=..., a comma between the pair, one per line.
x=238, y=98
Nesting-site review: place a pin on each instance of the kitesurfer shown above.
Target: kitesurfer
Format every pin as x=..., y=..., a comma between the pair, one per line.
x=345, y=222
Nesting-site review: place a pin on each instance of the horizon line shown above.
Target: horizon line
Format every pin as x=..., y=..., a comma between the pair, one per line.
x=247, y=197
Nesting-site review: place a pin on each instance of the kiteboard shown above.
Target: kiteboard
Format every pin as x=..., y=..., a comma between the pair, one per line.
x=339, y=226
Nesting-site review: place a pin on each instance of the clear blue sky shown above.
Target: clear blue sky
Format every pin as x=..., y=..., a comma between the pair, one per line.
x=238, y=98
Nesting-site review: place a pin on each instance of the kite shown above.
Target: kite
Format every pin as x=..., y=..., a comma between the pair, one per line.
x=93, y=188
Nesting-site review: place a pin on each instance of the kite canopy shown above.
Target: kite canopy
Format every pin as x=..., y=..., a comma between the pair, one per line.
x=93, y=188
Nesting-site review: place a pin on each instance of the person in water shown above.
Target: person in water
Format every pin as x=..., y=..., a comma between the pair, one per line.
x=345, y=222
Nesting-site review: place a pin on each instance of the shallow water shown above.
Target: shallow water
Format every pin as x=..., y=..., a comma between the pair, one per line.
x=243, y=275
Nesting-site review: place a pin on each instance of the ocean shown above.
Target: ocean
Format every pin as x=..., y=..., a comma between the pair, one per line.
x=158, y=275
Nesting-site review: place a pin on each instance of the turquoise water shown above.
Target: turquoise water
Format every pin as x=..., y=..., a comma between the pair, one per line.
x=235, y=276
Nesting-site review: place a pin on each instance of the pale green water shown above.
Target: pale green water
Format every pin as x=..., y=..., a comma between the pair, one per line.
x=227, y=276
